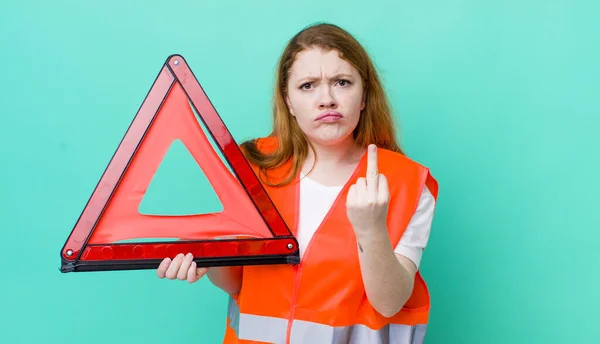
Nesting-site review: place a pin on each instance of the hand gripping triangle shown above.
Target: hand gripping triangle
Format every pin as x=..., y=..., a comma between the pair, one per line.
x=256, y=233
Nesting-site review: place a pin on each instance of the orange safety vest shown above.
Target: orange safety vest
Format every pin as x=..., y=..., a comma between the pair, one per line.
x=322, y=300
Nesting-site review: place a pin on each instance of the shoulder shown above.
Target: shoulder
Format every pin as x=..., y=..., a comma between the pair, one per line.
x=265, y=145
x=399, y=168
x=393, y=162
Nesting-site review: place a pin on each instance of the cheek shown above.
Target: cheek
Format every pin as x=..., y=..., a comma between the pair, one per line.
x=352, y=104
x=305, y=113
x=300, y=104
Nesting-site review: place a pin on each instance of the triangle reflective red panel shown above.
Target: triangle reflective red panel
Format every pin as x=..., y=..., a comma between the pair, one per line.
x=110, y=232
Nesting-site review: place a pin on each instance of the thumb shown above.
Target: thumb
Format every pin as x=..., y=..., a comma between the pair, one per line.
x=200, y=272
x=194, y=274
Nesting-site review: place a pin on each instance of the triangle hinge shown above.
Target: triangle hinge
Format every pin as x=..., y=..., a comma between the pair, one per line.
x=293, y=260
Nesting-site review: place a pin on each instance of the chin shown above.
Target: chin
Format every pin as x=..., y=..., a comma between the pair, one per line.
x=330, y=138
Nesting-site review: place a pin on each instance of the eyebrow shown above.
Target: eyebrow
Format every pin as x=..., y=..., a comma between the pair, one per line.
x=336, y=76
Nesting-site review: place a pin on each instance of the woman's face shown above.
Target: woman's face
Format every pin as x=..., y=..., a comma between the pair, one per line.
x=325, y=94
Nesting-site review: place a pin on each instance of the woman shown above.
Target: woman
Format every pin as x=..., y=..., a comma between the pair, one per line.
x=360, y=209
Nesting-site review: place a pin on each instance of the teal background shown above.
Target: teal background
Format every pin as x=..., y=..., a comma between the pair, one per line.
x=500, y=99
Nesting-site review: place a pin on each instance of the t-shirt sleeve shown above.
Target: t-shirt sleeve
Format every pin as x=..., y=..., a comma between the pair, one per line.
x=415, y=237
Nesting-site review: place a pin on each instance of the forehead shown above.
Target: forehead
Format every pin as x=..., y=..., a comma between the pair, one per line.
x=317, y=63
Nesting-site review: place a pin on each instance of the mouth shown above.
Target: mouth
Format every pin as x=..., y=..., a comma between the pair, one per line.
x=329, y=116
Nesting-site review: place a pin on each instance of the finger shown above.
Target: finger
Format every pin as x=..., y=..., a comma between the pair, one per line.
x=361, y=188
x=372, y=169
x=174, y=267
x=200, y=272
x=194, y=273
x=162, y=268
x=185, y=266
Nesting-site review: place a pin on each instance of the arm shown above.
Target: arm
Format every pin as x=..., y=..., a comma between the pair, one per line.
x=227, y=278
x=388, y=277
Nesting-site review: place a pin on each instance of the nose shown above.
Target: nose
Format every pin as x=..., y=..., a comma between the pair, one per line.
x=327, y=100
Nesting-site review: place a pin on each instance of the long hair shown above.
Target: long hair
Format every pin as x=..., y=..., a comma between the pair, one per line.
x=375, y=124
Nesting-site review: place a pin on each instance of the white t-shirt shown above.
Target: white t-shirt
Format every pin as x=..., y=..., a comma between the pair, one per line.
x=316, y=200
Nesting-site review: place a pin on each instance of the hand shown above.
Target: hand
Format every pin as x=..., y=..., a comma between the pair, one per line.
x=367, y=200
x=181, y=267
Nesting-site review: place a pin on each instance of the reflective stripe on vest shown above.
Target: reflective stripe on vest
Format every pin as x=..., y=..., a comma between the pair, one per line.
x=273, y=330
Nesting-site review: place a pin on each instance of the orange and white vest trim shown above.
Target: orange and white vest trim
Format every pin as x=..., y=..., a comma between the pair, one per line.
x=322, y=300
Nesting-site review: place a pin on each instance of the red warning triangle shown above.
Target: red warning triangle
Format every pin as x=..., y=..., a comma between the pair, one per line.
x=255, y=231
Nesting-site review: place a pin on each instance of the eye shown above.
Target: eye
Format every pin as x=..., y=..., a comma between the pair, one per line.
x=305, y=86
x=344, y=82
